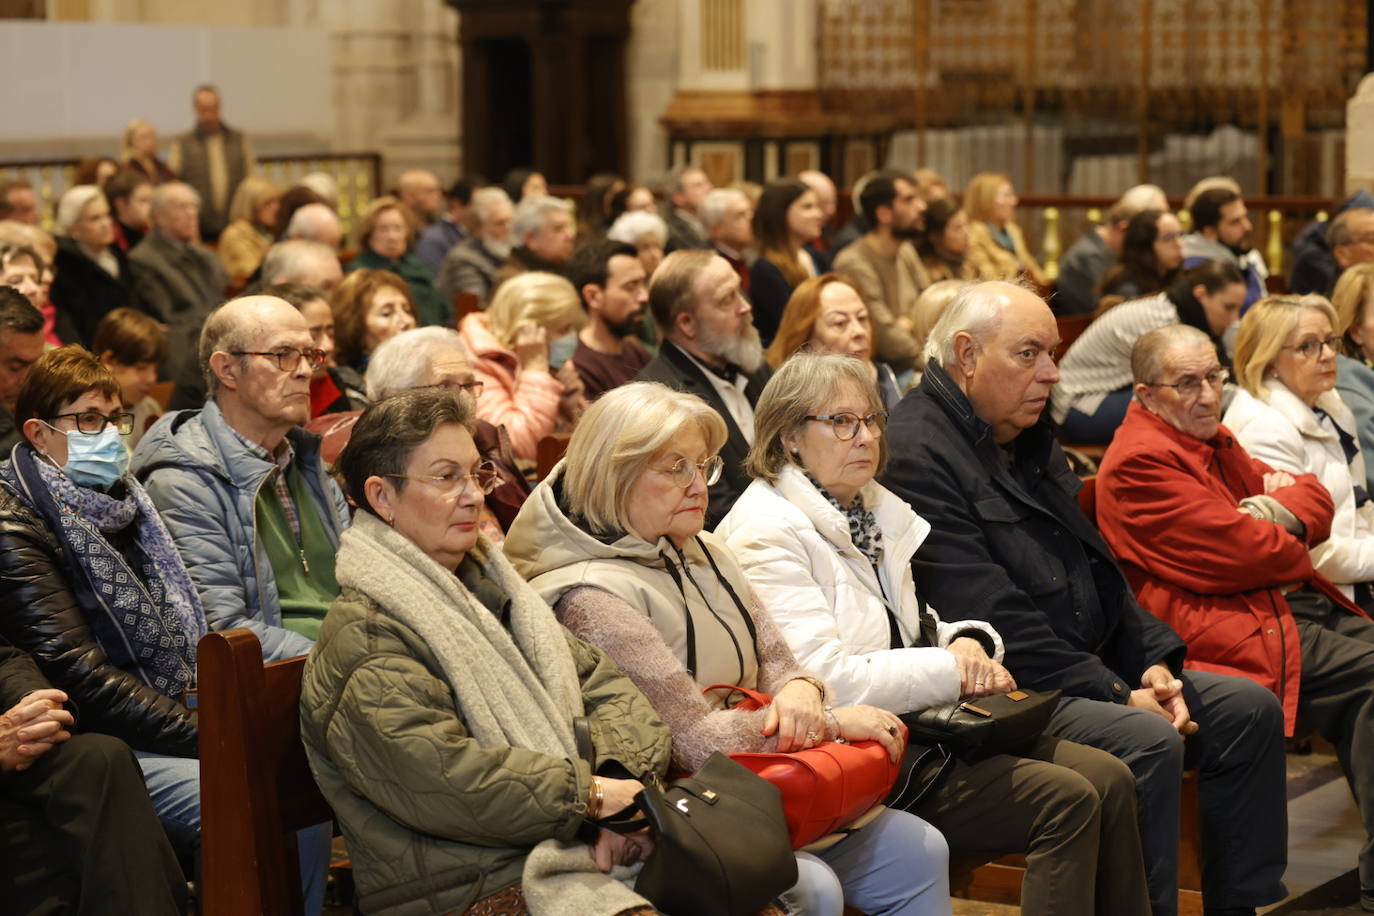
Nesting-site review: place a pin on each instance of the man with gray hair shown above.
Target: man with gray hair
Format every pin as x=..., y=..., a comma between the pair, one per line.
x=728, y=218
x=974, y=456
x=545, y=230
x=241, y=486
x=685, y=189
x=1088, y=259
x=178, y=281
x=473, y=265
x=316, y=223
x=301, y=261
x=1214, y=542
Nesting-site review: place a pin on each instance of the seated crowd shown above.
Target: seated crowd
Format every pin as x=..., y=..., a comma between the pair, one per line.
x=822, y=463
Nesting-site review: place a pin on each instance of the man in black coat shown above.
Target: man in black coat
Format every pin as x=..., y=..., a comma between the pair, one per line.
x=970, y=452
x=78, y=832
x=710, y=349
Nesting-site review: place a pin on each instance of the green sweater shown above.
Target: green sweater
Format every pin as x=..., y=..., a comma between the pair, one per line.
x=304, y=569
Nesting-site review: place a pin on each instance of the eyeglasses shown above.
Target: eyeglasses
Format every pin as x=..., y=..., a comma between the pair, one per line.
x=473, y=388
x=846, y=425
x=1191, y=386
x=683, y=472
x=288, y=358
x=484, y=476
x=92, y=422
x=1311, y=349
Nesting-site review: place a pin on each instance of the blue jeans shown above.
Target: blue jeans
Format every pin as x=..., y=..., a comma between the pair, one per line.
x=896, y=865
x=174, y=786
x=1098, y=427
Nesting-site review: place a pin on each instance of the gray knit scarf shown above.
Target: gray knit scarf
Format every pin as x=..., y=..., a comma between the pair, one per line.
x=514, y=688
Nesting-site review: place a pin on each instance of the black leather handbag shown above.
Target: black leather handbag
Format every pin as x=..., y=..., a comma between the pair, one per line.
x=720, y=842
x=974, y=730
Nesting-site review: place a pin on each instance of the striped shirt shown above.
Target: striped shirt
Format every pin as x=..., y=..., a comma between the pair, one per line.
x=1099, y=362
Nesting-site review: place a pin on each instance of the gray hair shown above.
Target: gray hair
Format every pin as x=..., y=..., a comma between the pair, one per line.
x=221, y=334
x=323, y=184
x=403, y=362
x=1338, y=233
x=483, y=199
x=713, y=207
x=292, y=261
x=633, y=226
x=532, y=211
x=308, y=220
x=975, y=311
x=800, y=387
x=1147, y=356
x=163, y=191
x=69, y=208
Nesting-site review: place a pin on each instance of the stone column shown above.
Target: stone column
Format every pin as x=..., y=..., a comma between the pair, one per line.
x=1359, y=138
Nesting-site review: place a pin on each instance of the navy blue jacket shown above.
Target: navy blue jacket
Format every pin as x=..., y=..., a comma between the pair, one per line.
x=1015, y=550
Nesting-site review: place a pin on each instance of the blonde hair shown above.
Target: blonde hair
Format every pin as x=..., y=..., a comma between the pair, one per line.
x=617, y=438
x=126, y=152
x=368, y=221
x=253, y=192
x=801, y=387
x=979, y=195
x=534, y=297
x=1263, y=330
x=1351, y=298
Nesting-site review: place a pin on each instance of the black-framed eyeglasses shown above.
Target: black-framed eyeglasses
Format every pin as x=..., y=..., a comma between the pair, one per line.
x=484, y=476
x=683, y=472
x=1311, y=349
x=92, y=422
x=1191, y=386
x=846, y=425
x=473, y=387
x=288, y=358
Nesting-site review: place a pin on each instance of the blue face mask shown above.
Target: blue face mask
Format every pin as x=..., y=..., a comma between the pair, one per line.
x=95, y=461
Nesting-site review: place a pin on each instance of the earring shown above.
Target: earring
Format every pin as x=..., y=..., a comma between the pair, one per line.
x=795, y=452
x=392, y=521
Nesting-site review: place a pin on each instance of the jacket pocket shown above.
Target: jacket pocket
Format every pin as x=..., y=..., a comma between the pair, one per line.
x=1013, y=536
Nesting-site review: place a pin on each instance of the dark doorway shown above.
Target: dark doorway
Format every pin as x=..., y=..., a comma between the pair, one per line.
x=505, y=139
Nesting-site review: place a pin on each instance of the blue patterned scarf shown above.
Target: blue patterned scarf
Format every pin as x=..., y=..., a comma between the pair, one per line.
x=148, y=620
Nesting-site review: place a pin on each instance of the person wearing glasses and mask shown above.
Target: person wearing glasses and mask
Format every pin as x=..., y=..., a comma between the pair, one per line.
x=241, y=486
x=613, y=539
x=828, y=550
x=94, y=589
x=1214, y=533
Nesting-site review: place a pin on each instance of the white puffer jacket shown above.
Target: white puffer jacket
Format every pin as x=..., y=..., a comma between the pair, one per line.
x=797, y=551
x=1284, y=433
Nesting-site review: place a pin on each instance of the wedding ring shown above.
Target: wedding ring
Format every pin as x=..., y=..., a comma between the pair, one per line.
x=812, y=738
x=977, y=683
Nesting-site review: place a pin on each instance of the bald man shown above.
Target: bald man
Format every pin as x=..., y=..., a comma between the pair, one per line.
x=421, y=194
x=241, y=486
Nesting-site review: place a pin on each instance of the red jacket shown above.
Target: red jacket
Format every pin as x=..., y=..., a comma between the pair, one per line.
x=1168, y=505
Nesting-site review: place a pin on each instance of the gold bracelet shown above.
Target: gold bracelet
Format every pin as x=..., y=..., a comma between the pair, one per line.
x=598, y=798
x=814, y=682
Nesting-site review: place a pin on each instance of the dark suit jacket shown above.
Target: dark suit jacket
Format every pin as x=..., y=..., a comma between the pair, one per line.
x=675, y=369
x=84, y=292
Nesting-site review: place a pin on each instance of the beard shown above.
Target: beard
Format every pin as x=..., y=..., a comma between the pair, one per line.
x=744, y=349
x=499, y=247
x=628, y=326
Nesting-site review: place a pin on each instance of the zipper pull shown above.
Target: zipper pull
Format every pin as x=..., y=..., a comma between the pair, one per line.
x=304, y=561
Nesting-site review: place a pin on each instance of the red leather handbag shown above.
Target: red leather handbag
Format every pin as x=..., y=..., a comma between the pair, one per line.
x=823, y=787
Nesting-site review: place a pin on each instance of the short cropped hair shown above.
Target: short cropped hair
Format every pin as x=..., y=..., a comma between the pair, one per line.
x=220, y=334
x=1338, y=233
x=402, y=362
x=163, y=191
x=1264, y=328
x=122, y=184
x=483, y=199
x=618, y=436
x=351, y=300
x=292, y=258
x=1146, y=355
x=70, y=205
x=672, y=289
x=299, y=295
x=799, y=388
x=881, y=191
x=590, y=264
x=59, y=377
x=130, y=337
x=17, y=314
x=716, y=202
x=6, y=186
x=1206, y=209
x=531, y=213
x=631, y=227
x=975, y=311
x=389, y=432
x=533, y=297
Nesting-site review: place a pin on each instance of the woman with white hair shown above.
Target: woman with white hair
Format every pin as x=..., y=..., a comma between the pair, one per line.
x=646, y=231
x=509, y=346
x=92, y=272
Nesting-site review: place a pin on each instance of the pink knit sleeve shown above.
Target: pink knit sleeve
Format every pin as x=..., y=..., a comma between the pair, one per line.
x=527, y=405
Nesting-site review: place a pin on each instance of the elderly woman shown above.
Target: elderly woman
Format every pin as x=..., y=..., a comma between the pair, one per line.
x=1288, y=416
x=140, y=152
x=438, y=706
x=1094, y=387
x=251, y=229
x=826, y=314
x=1353, y=296
x=613, y=539
x=370, y=306
x=92, y=272
x=95, y=590
x=1151, y=254
x=943, y=246
x=829, y=551
x=997, y=249
x=647, y=232
x=787, y=220
x=509, y=346
x=386, y=234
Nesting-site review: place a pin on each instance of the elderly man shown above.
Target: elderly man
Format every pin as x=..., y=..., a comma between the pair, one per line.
x=420, y=192
x=1214, y=543
x=301, y=261
x=1097, y=250
x=18, y=202
x=885, y=267
x=615, y=292
x=545, y=230
x=687, y=187
x=21, y=343
x=242, y=488
x=473, y=265
x=212, y=158
x=1221, y=232
x=711, y=349
x=1008, y=544
x=316, y=223
x=1315, y=269
x=728, y=217
x=177, y=281
x=449, y=227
